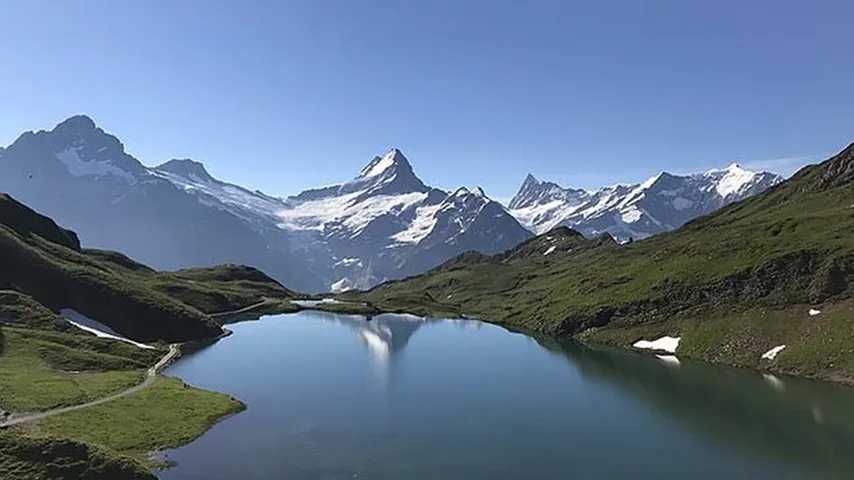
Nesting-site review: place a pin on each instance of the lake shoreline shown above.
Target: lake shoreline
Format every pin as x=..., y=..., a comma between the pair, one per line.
x=592, y=336
x=368, y=311
x=639, y=375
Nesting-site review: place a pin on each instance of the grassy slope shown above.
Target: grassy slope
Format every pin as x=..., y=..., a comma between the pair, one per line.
x=168, y=414
x=775, y=253
x=46, y=263
x=45, y=363
x=16, y=307
x=40, y=370
x=23, y=458
x=43, y=369
x=209, y=290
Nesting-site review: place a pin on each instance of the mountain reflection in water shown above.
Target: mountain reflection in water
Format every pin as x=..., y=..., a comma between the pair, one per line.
x=398, y=396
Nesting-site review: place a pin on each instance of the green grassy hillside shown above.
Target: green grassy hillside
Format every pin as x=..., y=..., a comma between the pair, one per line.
x=51, y=458
x=46, y=363
x=45, y=270
x=776, y=255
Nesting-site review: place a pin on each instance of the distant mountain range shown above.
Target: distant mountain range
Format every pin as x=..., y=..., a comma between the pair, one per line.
x=662, y=203
x=383, y=224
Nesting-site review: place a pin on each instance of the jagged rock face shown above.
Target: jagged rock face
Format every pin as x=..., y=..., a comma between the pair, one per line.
x=383, y=224
x=536, y=192
x=662, y=203
x=840, y=170
x=834, y=172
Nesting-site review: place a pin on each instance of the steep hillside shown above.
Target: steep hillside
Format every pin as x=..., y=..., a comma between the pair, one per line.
x=768, y=260
x=43, y=458
x=47, y=363
x=45, y=270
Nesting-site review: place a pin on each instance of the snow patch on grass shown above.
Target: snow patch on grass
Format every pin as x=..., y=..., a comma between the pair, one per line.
x=772, y=354
x=98, y=329
x=664, y=344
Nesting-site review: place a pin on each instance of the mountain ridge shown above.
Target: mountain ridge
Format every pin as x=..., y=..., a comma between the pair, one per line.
x=383, y=223
x=82, y=176
x=634, y=211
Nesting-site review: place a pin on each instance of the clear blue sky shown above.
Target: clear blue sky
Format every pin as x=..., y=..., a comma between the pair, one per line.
x=283, y=96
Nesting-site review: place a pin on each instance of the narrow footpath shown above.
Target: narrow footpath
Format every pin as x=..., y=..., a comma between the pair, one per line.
x=150, y=375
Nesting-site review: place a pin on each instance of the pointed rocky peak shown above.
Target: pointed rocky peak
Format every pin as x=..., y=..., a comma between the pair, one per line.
x=535, y=192
x=530, y=181
x=79, y=148
x=81, y=130
x=77, y=124
x=654, y=180
x=466, y=193
x=528, y=193
x=663, y=181
x=187, y=168
x=392, y=162
x=390, y=174
x=461, y=192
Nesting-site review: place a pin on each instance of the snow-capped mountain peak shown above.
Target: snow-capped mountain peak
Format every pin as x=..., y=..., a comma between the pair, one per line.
x=461, y=192
x=390, y=174
x=661, y=203
x=77, y=148
x=464, y=192
x=536, y=192
x=731, y=180
x=390, y=162
x=390, y=224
